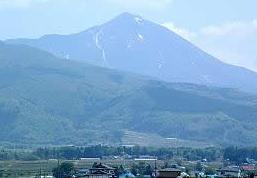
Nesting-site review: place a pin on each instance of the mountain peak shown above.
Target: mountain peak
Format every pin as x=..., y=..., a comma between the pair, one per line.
x=131, y=43
x=129, y=17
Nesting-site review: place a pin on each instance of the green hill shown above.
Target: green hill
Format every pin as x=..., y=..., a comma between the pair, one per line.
x=47, y=100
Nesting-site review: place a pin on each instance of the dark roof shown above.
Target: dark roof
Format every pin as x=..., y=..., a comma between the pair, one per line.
x=170, y=170
x=99, y=172
x=102, y=166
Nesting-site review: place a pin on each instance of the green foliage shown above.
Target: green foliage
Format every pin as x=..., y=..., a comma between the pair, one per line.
x=141, y=169
x=74, y=153
x=121, y=170
x=65, y=170
x=49, y=101
x=210, y=171
x=18, y=155
x=198, y=166
x=239, y=155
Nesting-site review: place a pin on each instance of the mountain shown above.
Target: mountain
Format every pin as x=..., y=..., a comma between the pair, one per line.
x=131, y=43
x=48, y=100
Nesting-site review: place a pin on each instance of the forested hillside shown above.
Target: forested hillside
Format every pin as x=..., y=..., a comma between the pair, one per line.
x=47, y=100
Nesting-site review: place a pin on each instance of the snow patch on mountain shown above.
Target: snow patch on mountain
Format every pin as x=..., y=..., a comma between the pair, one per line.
x=128, y=41
x=67, y=56
x=99, y=46
x=140, y=37
x=160, y=61
x=139, y=20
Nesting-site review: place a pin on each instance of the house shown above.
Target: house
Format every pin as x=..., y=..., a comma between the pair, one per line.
x=82, y=172
x=231, y=171
x=100, y=171
x=248, y=168
x=184, y=174
x=168, y=173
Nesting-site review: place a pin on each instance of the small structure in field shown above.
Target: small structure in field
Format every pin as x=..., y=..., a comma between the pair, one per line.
x=168, y=173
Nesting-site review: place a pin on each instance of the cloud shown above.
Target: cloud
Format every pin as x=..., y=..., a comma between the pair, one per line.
x=238, y=29
x=188, y=35
x=233, y=43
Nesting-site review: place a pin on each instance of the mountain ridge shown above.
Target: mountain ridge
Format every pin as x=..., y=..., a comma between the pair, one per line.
x=131, y=43
x=48, y=100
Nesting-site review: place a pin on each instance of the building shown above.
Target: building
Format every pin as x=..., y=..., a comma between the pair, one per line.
x=248, y=168
x=231, y=171
x=100, y=171
x=168, y=173
x=90, y=159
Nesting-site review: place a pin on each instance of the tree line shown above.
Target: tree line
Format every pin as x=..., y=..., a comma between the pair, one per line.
x=240, y=155
x=99, y=151
x=233, y=154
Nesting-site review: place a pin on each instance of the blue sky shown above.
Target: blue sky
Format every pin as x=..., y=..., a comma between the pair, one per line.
x=226, y=29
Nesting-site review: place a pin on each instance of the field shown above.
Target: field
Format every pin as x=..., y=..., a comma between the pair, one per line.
x=27, y=169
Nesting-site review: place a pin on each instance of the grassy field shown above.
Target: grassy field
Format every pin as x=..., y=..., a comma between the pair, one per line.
x=15, y=169
x=27, y=169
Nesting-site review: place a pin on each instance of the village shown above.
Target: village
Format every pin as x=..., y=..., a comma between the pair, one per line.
x=150, y=167
x=129, y=162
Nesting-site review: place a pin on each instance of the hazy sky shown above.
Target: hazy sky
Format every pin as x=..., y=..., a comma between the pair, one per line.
x=225, y=28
